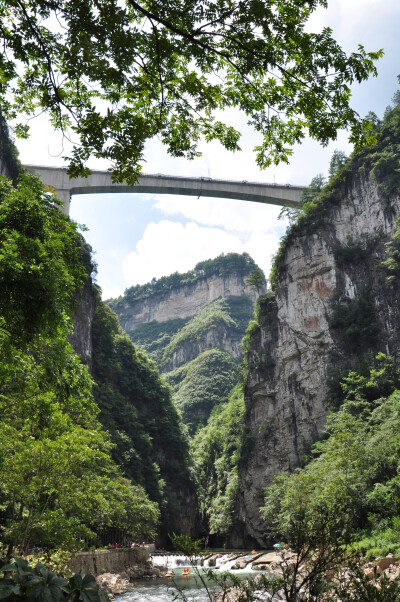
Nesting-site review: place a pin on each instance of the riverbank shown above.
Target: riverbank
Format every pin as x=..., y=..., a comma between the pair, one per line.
x=115, y=569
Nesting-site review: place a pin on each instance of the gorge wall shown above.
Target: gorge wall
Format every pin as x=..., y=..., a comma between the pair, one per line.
x=182, y=301
x=192, y=325
x=331, y=305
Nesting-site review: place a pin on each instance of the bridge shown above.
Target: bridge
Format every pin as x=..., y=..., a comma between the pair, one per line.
x=101, y=181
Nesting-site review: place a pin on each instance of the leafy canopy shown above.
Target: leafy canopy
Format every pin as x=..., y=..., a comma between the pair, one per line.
x=113, y=74
x=58, y=482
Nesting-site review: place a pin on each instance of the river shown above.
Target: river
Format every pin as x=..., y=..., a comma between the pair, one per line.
x=166, y=589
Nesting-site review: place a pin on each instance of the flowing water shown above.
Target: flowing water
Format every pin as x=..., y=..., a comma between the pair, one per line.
x=165, y=589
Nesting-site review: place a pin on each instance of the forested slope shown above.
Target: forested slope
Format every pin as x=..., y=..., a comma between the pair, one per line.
x=83, y=457
x=136, y=409
x=59, y=484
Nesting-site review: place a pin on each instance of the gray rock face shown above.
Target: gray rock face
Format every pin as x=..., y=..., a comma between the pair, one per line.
x=184, y=302
x=295, y=348
x=217, y=337
x=81, y=337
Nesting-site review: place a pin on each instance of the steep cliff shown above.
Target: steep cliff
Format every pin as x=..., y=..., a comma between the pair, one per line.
x=183, y=301
x=192, y=325
x=181, y=296
x=332, y=304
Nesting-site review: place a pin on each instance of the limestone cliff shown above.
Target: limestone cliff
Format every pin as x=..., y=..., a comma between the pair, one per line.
x=182, y=301
x=178, y=317
x=192, y=325
x=81, y=337
x=332, y=303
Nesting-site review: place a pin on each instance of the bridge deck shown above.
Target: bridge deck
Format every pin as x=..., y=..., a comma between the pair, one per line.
x=100, y=182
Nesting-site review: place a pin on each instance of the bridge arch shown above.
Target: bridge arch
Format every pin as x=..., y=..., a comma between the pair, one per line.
x=100, y=182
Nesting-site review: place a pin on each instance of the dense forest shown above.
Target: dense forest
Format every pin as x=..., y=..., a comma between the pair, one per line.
x=136, y=409
x=81, y=455
x=59, y=483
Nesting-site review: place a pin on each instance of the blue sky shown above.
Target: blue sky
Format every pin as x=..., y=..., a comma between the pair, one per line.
x=138, y=237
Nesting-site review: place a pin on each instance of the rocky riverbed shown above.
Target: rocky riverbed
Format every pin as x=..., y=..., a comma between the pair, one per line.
x=250, y=564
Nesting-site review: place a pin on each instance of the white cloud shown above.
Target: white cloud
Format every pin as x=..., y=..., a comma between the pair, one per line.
x=169, y=246
x=232, y=215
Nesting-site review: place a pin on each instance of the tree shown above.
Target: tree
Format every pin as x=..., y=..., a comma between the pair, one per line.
x=41, y=266
x=313, y=190
x=338, y=160
x=257, y=280
x=58, y=482
x=114, y=74
x=315, y=510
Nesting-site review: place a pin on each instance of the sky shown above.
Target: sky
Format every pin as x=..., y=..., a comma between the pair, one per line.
x=136, y=237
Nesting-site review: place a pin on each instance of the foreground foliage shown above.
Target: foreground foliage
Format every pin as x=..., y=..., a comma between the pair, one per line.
x=168, y=70
x=310, y=577
x=19, y=580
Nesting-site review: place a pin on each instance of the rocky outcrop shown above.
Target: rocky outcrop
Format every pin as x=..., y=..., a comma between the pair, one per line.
x=218, y=337
x=81, y=337
x=182, y=302
x=327, y=271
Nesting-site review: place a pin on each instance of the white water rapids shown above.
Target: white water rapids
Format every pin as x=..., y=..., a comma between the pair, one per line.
x=223, y=562
x=166, y=589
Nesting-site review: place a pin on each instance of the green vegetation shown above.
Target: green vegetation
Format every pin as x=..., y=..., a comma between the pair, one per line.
x=150, y=67
x=257, y=280
x=58, y=482
x=337, y=162
x=21, y=581
x=355, y=251
x=204, y=382
x=217, y=451
x=201, y=383
x=392, y=262
x=349, y=490
x=154, y=336
x=212, y=316
x=40, y=267
x=207, y=382
x=137, y=410
x=354, y=320
x=221, y=266
x=8, y=153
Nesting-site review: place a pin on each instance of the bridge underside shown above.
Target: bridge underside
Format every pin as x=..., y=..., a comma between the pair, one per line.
x=101, y=182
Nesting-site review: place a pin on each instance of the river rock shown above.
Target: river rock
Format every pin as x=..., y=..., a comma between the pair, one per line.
x=113, y=583
x=212, y=561
x=242, y=562
x=270, y=558
x=145, y=572
x=385, y=563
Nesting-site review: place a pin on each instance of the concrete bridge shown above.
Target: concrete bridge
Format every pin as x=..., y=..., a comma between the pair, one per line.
x=100, y=181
